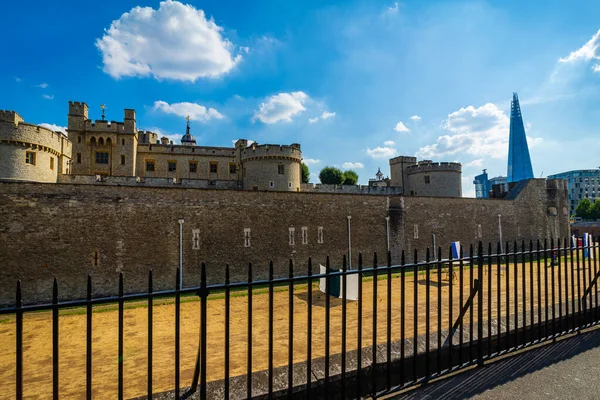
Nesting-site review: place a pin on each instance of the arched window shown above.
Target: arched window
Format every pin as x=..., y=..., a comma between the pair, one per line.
x=93, y=141
x=101, y=142
x=108, y=142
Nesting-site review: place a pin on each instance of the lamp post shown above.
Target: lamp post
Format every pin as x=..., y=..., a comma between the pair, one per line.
x=500, y=231
x=180, y=221
x=349, y=244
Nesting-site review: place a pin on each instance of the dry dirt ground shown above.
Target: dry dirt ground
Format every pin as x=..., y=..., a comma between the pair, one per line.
x=37, y=355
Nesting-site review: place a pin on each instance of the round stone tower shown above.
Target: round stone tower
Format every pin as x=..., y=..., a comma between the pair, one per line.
x=433, y=179
x=31, y=153
x=271, y=167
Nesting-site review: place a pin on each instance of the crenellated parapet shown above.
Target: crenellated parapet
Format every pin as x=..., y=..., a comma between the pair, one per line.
x=429, y=166
x=271, y=151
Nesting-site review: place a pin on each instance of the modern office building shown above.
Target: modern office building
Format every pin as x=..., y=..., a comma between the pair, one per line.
x=582, y=184
x=519, y=161
x=484, y=185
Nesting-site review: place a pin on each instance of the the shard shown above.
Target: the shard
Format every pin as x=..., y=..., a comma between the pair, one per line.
x=519, y=162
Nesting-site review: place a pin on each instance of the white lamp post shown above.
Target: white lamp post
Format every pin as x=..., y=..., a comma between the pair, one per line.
x=349, y=244
x=180, y=253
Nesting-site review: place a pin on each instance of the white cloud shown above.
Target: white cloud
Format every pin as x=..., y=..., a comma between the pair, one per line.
x=310, y=161
x=17, y=79
x=587, y=52
x=55, y=128
x=281, y=107
x=596, y=68
x=382, y=152
x=400, y=127
x=176, y=41
x=351, y=165
x=42, y=85
x=325, y=115
x=475, y=163
x=389, y=143
x=249, y=142
x=392, y=10
x=482, y=131
x=415, y=118
x=195, y=111
x=48, y=96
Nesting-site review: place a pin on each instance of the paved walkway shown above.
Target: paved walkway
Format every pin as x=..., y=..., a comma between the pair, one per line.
x=568, y=369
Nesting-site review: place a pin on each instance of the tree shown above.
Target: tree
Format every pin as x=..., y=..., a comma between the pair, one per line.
x=350, y=177
x=595, y=210
x=331, y=176
x=584, y=209
x=305, y=173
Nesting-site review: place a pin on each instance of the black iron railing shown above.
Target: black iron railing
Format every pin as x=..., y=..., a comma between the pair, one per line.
x=506, y=301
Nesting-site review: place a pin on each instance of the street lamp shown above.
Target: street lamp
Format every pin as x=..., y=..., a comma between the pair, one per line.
x=180, y=221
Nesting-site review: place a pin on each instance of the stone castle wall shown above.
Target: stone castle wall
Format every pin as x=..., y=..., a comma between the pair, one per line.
x=70, y=230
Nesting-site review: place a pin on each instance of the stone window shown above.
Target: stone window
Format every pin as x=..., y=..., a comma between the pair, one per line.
x=122, y=142
x=213, y=167
x=427, y=179
x=150, y=166
x=78, y=158
x=78, y=139
x=416, y=232
x=280, y=169
x=122, y=159
x=320, y=235
x=172, y=165
x=30, y=158
x=232, y=168
x=291, y=235
x=271, y=184
x=246, y=237
x=305, y=235
x=290, y=185
x=101, y=157
x=52, y=163
x=193, y=167
x=196, y=239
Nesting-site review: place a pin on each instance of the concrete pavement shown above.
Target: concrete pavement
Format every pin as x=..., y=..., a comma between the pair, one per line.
x=568, y=369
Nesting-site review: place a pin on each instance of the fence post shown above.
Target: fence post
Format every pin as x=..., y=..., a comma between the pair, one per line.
x=480, y=305
x=19, y=349
x=88, y=353
x=55, y=340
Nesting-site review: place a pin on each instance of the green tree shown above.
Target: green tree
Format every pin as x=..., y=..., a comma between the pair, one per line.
x=331, y=176
x=584, y=209
x=595, y=210
x=305, y=173
x=350, y=177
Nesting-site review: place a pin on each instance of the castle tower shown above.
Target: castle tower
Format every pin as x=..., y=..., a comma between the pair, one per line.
x=188, y=139
x=519, y=161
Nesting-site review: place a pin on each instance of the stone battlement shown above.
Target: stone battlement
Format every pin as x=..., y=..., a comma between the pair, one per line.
x=405, y=159
x=182, y=149
x=101, y=126
x=10, y=116
x=428, y=166
x=272, y=151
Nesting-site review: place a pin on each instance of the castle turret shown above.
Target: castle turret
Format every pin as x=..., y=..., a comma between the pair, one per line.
x=271, y=167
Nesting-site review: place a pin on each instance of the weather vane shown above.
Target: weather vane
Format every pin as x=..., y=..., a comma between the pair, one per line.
x=102, y=107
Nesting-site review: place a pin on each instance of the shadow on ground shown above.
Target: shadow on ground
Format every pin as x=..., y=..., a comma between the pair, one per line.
x=476, y=381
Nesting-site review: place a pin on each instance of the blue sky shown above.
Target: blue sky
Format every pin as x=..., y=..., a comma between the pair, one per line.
x=354, y=82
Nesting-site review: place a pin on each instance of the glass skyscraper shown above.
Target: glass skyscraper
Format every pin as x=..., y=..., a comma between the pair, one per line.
x=519, y=161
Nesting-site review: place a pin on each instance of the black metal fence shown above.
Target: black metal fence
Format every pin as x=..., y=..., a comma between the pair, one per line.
x=412, y=321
